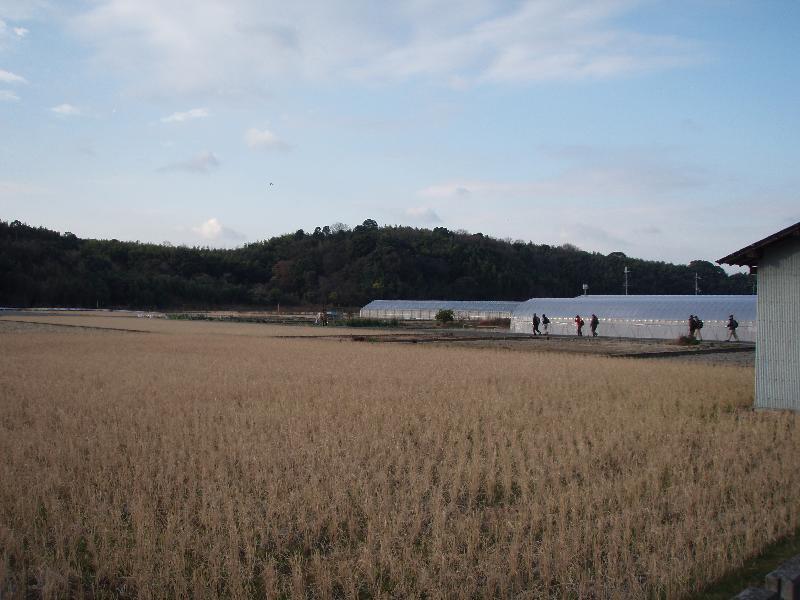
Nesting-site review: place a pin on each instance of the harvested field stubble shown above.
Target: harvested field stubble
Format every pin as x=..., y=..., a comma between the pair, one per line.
x=175, y=465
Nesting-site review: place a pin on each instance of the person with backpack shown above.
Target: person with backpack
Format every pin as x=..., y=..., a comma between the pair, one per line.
x=536, y=322
x=732, y=325
x=545, y=323
x=579, y=324
x=593, y=322
x=698, y=325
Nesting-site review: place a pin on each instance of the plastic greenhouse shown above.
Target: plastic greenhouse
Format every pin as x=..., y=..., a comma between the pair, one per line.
x=427, y=309
x=663, y=317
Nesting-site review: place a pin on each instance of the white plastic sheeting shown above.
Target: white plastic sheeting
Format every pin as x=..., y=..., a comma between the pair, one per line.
x=663, y=317
x=427, y=309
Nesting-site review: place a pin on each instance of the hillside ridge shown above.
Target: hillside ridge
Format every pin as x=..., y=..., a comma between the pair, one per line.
x=333, y=265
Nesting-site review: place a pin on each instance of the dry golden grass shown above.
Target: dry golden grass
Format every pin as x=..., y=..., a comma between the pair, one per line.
x=226, y=465
x=115, y=321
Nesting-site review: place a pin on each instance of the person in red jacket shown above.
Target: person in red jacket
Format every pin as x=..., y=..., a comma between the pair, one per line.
x=579, y=324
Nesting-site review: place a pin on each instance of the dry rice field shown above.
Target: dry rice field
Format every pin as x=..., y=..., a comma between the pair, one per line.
x=200, y=461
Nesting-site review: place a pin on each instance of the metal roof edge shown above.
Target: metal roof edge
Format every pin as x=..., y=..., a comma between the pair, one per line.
x=749, y=255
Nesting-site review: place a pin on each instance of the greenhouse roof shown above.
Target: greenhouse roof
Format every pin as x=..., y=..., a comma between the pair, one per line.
x=474, y=305
x=667, y=308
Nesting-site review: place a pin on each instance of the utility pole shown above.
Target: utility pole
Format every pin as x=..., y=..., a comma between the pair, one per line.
x=697, y=278
x=627, y=270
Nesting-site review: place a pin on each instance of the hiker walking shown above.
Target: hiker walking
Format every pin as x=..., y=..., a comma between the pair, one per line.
x=698, y=324
x=545, y=323
x=692, y=326
x=593, y=322
x=732, y=325
x=536, y=322
x=579, y=324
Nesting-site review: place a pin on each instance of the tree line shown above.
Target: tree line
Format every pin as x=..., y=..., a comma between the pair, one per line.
x=333, y=265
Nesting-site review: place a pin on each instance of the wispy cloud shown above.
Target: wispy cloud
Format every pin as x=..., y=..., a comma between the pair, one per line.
x=264, y=139
x=537, y=41
x=180, y=117
x=247, y=45
x=586, y=173
x=12, y=189
x=20, y=31
x=8, y=96
x=649, y=230
x=202, y=163
x=213, y=230
x=598, y=198
x=66, y=110
x=9, y=77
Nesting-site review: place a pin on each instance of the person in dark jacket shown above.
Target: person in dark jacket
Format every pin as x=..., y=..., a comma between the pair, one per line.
x=732, y=325
x=545, y=323
x=692, y=326
x=536, y=322
x=593, y=322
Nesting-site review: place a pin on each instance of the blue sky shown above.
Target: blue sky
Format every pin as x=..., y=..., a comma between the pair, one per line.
x=666, y=130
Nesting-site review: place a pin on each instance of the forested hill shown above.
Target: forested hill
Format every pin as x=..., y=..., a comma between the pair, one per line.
x=332, y=265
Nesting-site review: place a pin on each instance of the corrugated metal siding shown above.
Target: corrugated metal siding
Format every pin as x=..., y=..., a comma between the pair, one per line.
x=778, y=338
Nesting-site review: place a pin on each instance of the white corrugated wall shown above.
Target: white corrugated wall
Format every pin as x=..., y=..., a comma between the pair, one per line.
x=778, y=337
x=640, y=328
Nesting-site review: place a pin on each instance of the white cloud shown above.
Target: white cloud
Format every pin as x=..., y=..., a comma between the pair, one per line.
x=202, y=163
x=245, y=46
x=180, y=117
x=423, y=215
x=264, y=139
x=66, y=110
x=8, y=96
x=9, y=77
x=9, y=35
x=213, y=230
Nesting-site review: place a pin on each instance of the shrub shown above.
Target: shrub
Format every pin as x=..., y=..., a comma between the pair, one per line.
x=365, y=322
x=502, y=323
x=445, y=316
